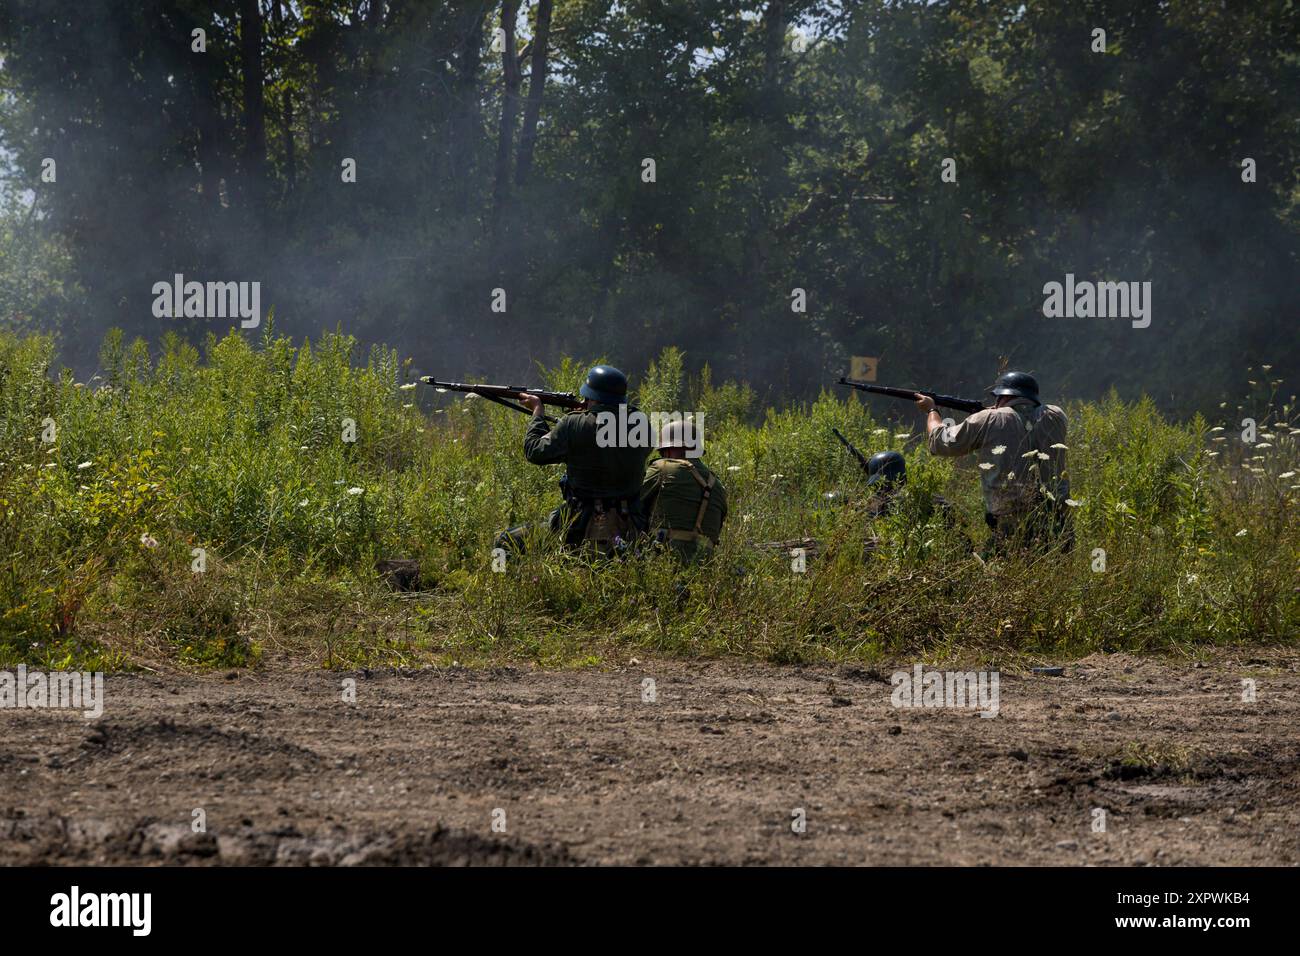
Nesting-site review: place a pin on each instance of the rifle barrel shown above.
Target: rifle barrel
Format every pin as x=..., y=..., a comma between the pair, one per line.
x=862, y=459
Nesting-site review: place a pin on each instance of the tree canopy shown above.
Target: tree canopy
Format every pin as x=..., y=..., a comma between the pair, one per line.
x=650, y=173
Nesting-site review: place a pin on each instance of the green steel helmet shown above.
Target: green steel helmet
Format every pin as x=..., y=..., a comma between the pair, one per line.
x=886, y=466
x=1016, y=384
x=606, y=385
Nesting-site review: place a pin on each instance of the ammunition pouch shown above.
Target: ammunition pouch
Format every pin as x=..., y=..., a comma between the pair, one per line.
x=674, y=534
x=605, y=524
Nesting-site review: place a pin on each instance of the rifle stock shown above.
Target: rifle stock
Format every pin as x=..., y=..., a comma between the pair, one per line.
x=967, y=405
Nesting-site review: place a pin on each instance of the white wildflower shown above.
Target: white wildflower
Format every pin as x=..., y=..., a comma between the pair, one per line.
x=1061, y=446
x=356, y=491
x=999, y=449
x=1287, y=474
x=733, y=468
x=1240, y=534
x=408, y=386
x=84, y=465
x=1072, y=503
x=148, y=540
x=1217, y=428
x=986, y=465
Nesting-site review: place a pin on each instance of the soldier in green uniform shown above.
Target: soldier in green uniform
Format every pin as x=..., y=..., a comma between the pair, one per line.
x=602, y=480
x=684, y=501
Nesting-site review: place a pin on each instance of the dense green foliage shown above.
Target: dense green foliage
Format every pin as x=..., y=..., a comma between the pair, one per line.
x=108, y=487
x=780, y=165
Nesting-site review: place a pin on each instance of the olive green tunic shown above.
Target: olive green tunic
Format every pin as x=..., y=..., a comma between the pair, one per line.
x=671, y=497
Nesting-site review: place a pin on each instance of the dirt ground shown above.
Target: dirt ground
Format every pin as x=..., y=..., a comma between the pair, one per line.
x=712, y=771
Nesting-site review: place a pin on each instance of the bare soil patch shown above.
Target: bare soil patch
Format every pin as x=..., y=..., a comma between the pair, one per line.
x=711, y=772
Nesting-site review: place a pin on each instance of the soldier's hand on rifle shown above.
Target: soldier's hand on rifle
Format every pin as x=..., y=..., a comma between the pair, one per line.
x=925, y=403
x=531, y=402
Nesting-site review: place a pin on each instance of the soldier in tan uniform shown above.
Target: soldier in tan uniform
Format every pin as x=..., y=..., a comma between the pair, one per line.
x=684, y=501
x=1021, y=447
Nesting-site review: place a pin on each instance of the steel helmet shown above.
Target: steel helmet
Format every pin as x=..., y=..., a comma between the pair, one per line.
x=606, y=385
x=683, y=434
x=887, y=466
x=1017, y=384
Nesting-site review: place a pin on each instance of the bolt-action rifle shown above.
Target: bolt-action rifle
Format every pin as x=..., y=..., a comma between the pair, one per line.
x=967, y=405
x=501, y=394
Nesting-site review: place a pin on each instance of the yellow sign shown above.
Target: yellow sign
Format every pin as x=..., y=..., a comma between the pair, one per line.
x=864, y=368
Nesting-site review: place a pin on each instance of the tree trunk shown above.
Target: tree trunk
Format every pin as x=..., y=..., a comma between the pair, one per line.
x=509, y=110
x=536, y=86
x=250, y=36
x=286, y=110
x=209, y=146
x=466, y=129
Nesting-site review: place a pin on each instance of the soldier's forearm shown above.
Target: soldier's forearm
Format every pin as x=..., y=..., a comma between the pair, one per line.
x=932, y=421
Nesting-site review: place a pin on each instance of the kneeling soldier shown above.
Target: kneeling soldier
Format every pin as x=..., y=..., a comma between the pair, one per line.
x=684, y=501
x=601, y=506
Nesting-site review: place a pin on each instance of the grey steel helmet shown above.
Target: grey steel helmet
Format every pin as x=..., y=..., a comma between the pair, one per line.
x=1016, y=384
x=681, y=434
x=886, y=466
x=606, y=385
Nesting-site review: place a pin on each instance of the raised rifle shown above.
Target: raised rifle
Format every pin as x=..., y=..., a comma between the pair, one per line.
x=967, y=405
x=862, y=459
x=501, y=394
